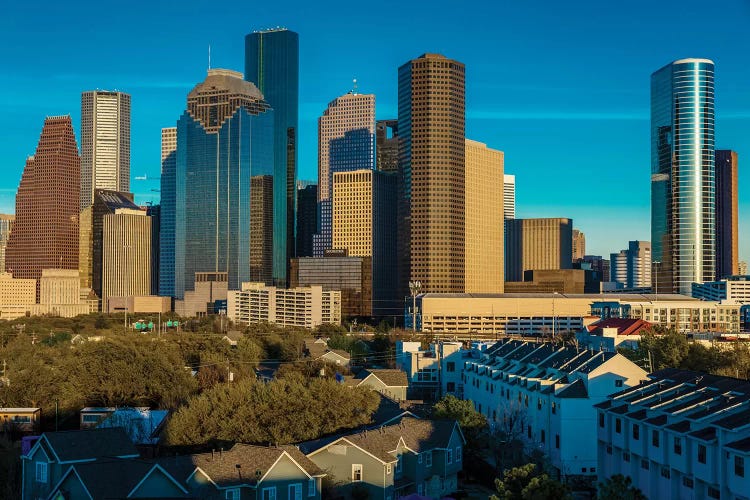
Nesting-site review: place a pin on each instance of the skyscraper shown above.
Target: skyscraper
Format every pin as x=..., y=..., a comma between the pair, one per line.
x=431, y=127
x=167, y=210
x=386, y=145
x=272, y=64
x=6, y=225
x=223, y=138
x=126, y=254
x=484, y=254
x=682, y=174
x=45, y=233
x=632, y=267
x=346, y=142
x=105, y=143
x=579, y=245
x=509, y=196
x=726, y=214
x=307, y=217
x=538, y=244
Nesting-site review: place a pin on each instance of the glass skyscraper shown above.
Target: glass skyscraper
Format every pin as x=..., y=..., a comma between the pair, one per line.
x=272, y=64
x=683, y=174
x=224, y=138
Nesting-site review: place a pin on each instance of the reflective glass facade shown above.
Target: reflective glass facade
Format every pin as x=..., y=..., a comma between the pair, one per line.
x=272, y=64
x=683, y=174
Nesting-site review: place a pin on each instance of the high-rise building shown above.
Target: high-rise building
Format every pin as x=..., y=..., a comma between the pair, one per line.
x=6, y=225
x=224, y=137
x=742, y=268
x=45, y=232
x=618, y=267
x=538, y=244
x=579, y=245
x=167, y=211
x=632, y=267
x=386, y=142
x=682, y=174
x=431, y=128
x=509, y=196
x=595, y=263
x=261, y=229
x=346, y=142
x=272, y=64
x=307, y=218
x=154, y=212
x=126, y=254
x=483, y=236
x=364, y=208
x=727, y=238
x=105, y=143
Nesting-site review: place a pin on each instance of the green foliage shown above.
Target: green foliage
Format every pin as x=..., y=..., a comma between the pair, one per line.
x=619, y=487
x=10, y=470
x=329, y=330
x=462, y=410
x=101, y=322
x=279, y=412
x=527, y=483
x=667, y=350
x=56, y=338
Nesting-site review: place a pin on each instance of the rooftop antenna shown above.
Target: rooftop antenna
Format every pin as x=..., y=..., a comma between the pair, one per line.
x=209, y=56
x=354, y=87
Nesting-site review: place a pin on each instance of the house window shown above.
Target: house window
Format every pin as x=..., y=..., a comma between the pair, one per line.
x=295, y=491
x=557, y=441
x=543, y=436
x=713, y=493
x=618, y=425
x=450, y=367
x=356, y=472
x=655, y=439
x=665, y=472
x=449, y=456
x=687, y=482
x=232, y=494
x=539, y=404
x=739, y=466
x=618, y=383
x=554, y=407
x=636, y=432
x=528, y=432
x=428, y=459
x=269, y=493
x=644, y=464
x=609, y=450
x=41, y=472
x=701, y=454
x=451, y=387
x=625, y=456
x=419, y=489
x=388, y=468
x=398, y=463
x=458, y=454
x=601, y=420
x=312, y=487
x=677, y=446
x=419, y=458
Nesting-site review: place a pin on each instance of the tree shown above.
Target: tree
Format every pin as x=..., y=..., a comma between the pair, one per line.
x=526, y=483
x=505, y=441
x=473, y=424
x=667, y=350
x=619, y=487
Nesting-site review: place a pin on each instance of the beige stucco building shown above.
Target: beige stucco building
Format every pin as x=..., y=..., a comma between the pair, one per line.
x=535, y=244
x=208, y=288
x=483, y=238
x=126, y=255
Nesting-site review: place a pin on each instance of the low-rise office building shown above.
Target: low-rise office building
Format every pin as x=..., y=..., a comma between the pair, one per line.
x=305, y=307
x=544, y=395
x=678, y=434
x=352, y=276
x=139, y=304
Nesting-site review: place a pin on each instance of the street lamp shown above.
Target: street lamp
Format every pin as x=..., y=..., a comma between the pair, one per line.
x=554, y=294
x=414, y=288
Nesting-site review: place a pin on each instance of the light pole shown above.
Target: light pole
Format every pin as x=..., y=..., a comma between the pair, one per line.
x=554, y=294
x=414, y=288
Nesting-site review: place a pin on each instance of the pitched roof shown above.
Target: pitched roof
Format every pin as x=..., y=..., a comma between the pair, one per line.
x=705, y=434
x=254, y=463
x=624, y=326
x=740, y=445
x=575, y=390
x=391, y=378
x=89, y=444
x=114, y=478
x=316, y=349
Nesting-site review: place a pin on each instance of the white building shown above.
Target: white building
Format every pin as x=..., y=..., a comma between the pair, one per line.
x=305, y=307
x=734, y=289
x=509, y=196
x=428, y=370
x=679, y=434
x=105, y=143
x=544, y=395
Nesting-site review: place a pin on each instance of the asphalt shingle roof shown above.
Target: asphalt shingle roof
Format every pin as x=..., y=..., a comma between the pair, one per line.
x=90, y=444
x=391, y=378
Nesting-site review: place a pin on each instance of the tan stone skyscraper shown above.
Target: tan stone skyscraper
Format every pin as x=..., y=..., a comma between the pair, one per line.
x=45, y=233
x=484, y=219
x=538, y=244
x=431, y=127
x=579, y=245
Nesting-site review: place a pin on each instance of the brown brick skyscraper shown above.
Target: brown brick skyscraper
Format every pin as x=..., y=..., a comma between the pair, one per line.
x=431, y=128
x=45, y=234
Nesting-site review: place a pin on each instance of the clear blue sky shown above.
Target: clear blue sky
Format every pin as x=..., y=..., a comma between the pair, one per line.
x=561, y=87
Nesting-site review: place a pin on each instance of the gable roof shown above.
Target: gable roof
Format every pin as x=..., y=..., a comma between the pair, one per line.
x=318, y=348
x=389, y=377
x=624, y=326
x=575, y=390
x=90, y=444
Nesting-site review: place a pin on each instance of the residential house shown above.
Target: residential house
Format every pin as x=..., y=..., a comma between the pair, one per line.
x=424, y=368
x=390, y=383
x=679, y=434
x=413, y=456
x=318, y=349
x=54, y=452
x=543, y=394
x=610, y=333
x=24, y=420
x=232, y=337
x=142, y=425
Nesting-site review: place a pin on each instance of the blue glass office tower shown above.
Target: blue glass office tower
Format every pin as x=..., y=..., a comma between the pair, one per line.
x=224, y=139
x=683, y=174
x=272, y=64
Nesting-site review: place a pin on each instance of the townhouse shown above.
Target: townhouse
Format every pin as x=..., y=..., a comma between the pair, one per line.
x=680, y=434
x=544, y=394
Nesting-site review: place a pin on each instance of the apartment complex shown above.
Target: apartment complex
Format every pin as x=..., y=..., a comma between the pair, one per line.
x=535, y=244
x=544, y=395
x=631, y=267
x=483, y=235
x=305, y=307
x=678, y=434
x=105, y=143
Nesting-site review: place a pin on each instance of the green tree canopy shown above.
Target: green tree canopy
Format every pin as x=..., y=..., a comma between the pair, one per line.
x=619, y=487
x=527, y=483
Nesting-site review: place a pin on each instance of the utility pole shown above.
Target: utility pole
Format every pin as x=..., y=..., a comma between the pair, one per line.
x=414, y=288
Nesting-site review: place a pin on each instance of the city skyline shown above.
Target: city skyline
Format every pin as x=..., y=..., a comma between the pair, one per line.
x=559, y=89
